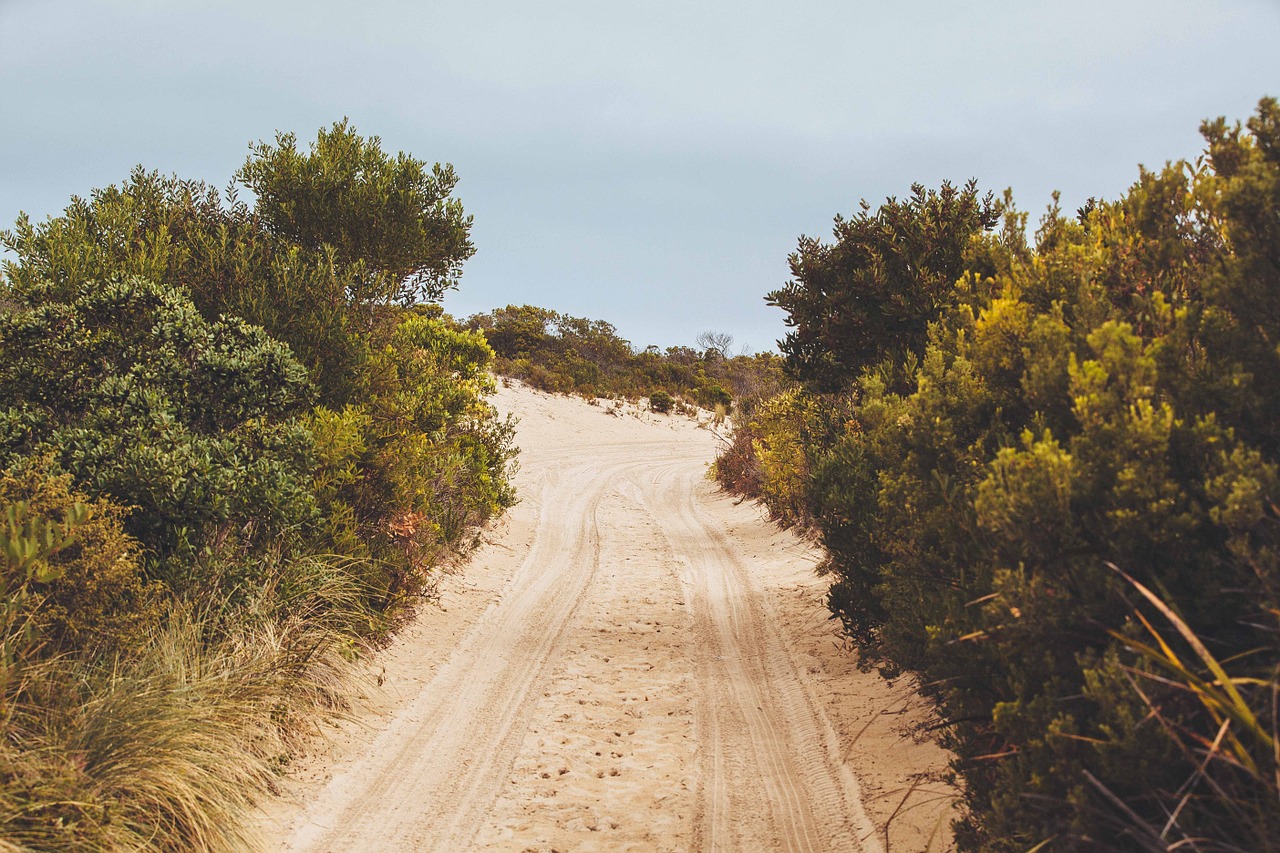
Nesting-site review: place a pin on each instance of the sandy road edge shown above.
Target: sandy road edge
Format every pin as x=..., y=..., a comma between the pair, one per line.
x=872, y=724
x=464, y=594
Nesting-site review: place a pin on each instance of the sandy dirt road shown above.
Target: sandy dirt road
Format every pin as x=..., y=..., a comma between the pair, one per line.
x=639, y=663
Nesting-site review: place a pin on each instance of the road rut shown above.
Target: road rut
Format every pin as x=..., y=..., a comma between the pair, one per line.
x=630, y=686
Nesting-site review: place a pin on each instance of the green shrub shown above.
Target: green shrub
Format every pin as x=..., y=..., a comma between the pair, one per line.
x=183, y=234
x=778, y=428
x=96, y=598
x=871, y=294
x=661, y=402
x=337, y=235
x=392, y=217
x=341, y=447
x=1034, y=418
x=140, y=399
x=713, y=396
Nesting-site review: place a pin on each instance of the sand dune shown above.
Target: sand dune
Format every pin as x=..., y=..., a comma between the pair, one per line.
x=632, y=661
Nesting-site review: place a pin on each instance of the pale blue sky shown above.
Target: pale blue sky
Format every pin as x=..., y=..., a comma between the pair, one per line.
x=647, y=163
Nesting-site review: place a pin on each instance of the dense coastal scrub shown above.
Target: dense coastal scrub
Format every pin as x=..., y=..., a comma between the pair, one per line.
x=1046, y=473
x=236, y=441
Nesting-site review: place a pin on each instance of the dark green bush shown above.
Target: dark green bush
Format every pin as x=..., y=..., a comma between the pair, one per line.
x=661, y=402
x=192, y=424
x=872, y=293
x=713, y=395
x=183, y=234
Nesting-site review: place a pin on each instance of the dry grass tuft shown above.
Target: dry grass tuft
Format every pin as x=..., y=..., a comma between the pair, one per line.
x=171, y=748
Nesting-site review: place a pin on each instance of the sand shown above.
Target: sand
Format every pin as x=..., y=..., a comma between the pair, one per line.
x=632, y=660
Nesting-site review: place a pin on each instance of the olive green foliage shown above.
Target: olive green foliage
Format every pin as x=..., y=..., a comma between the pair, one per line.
x=232, y=453
x=391, y=215
x=872, y=293
x=323, y=283
x=661, y=402
x=573, y=355
x=73, y=578
x=778, y=429
x=145, y=402
x=436, y=454
x=185, y=235
x=1059, y=503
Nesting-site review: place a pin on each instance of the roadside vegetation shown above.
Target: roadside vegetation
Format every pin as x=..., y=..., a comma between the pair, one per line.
x=1046, y=472
x=237, y=442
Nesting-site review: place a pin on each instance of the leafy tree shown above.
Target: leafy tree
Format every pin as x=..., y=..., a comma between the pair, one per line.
x=519, y=331
x=335, y=235
x=188, y=236
x=394, y=216
x=871, y=294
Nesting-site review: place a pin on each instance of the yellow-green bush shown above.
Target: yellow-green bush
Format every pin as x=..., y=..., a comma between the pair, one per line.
x=1054, y=494
x=780, y=427
x=96, y=598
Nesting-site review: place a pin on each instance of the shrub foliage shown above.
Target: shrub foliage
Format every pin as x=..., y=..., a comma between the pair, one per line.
x=1046, y=474
x=143, y=401
x=233, y=448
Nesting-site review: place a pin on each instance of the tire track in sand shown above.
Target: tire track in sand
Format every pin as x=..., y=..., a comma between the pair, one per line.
x=562, y=666
x=429, y=778
x=756, y=711
x=610, y=761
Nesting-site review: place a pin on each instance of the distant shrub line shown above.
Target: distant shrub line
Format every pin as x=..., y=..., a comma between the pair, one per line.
x=234, y=444
x=573, y=355
x=1047, y=476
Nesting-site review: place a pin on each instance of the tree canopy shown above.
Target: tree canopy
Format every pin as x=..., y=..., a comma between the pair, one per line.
x=871, y=294
x=394, y=215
